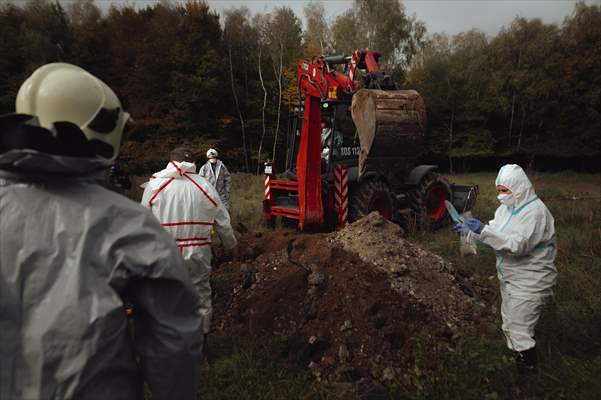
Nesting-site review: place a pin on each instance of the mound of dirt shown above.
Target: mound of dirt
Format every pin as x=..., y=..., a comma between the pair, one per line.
x=347, y=303
x=412, y=271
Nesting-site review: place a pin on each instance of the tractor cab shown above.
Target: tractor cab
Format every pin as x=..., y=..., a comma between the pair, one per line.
x=338, y=138
x=340, y=141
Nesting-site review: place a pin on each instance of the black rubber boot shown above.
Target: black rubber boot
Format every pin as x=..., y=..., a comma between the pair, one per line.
x=527, y=365
x=528, y=359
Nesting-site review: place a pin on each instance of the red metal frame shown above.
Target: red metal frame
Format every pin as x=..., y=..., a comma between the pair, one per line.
x=318, y=82
x=362, y=58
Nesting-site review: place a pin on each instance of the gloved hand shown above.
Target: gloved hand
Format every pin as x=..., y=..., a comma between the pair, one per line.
x=458, y=228
x=475, y=225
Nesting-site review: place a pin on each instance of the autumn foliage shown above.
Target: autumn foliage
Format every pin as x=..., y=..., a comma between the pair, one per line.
x=188, y=75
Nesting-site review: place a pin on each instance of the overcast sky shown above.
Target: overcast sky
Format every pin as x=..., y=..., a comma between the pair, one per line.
x=450, y=16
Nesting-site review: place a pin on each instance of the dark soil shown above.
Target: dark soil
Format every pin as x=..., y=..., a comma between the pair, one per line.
x=346, y=303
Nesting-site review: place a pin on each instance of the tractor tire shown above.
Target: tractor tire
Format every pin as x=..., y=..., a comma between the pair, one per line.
x=369, y=196
x=427, y=202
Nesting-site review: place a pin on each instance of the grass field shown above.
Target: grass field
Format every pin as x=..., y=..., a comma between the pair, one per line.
x=479, y=366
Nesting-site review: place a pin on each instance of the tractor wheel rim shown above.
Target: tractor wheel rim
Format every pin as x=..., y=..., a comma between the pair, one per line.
x=435, y=207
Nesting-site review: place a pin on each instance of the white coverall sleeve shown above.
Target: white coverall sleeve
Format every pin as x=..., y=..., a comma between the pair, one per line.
x=147, y=195
x=223, y=227
x=203, y=171
x=496, y=222
x=521, y=240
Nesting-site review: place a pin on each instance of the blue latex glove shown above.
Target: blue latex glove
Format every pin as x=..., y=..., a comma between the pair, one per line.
x=475, y=225
x=458, y=227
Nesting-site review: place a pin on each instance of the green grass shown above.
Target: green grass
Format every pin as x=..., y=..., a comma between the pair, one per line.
x=246, y=201
x=252, y=371
x=478, y=366
x=569, y=335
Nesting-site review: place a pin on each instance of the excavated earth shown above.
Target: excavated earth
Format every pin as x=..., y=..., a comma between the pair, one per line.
x=347, y=303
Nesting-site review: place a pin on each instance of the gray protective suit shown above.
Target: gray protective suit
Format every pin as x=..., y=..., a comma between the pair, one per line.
x=523, y=237
x=71, y=252
x=218, y=175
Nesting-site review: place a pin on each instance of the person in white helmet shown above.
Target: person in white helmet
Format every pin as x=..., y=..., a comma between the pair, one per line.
x=215, y=171
x=189, y=207
x=72, y=253
x=522, y=234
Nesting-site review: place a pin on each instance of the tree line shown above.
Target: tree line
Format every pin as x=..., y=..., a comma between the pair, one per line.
x=189, y=75
x=533, y=90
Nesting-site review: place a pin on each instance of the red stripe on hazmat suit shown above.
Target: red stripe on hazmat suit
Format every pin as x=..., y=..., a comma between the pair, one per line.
x=188, y=206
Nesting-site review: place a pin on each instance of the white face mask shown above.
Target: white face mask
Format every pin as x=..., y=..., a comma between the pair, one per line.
x=212, y=160
x=506, y=199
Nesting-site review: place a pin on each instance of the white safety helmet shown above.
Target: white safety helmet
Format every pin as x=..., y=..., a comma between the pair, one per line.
x=61, y=92
x=212, y=153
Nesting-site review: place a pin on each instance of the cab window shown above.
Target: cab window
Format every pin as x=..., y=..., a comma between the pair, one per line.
x=345, y=139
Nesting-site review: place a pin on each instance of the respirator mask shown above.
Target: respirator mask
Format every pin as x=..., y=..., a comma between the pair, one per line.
x=507, y=199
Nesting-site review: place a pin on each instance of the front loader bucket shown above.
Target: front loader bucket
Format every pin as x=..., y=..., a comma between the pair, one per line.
x=390, y=124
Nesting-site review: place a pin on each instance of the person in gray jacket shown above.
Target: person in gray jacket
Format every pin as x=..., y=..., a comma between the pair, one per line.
x=215, y=171
x=72, y=253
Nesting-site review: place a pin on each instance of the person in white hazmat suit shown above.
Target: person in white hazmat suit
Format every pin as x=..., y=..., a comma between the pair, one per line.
x=215, y=171
x=72, y=253
x=522, y=233
x=189, y=207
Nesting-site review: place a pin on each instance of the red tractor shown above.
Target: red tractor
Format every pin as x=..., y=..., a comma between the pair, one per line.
x=352, y=149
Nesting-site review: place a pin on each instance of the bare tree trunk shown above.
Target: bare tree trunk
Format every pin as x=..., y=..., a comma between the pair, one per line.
x=262, y=113
x=511, y=118
x=521, y=127
x=451, y=140
x=245, y=83
x=513, y=101
x=250, y=141
x=277, y=122
x=229, y=48
x=450, y=128
x=540, y=125
x=533, y=155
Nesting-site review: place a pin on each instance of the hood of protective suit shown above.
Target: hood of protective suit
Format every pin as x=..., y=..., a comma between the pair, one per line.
x=513, y=177
x=27, y=149
x=175, y=169
x=34, y=164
